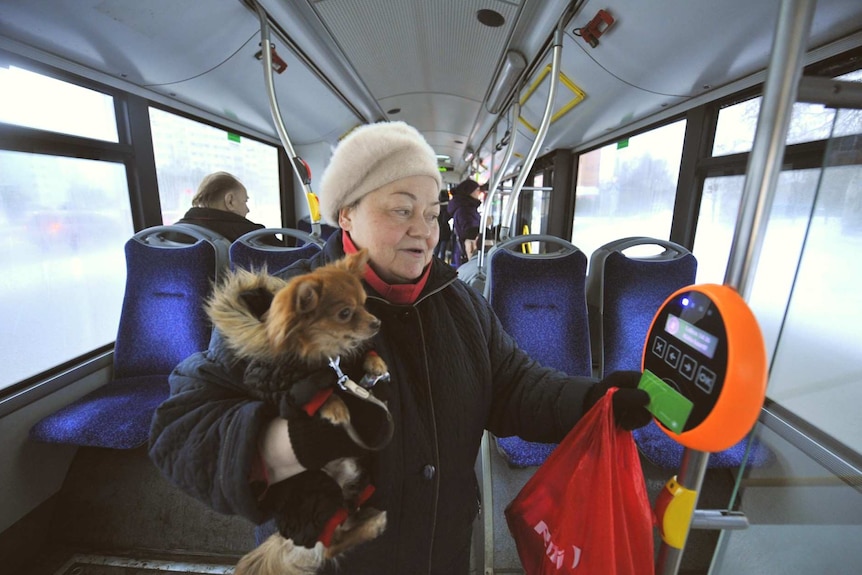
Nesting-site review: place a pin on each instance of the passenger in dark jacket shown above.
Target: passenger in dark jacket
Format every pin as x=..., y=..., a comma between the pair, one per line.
x=444, y=244
x=454, y=373
x=464, y=209
x=221, y=204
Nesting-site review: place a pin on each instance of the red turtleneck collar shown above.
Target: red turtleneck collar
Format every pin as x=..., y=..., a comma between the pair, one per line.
x=401, y=294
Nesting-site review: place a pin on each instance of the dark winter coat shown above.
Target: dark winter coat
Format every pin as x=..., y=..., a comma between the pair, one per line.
x=464, y=210
x=226, y=223
x=454, y=373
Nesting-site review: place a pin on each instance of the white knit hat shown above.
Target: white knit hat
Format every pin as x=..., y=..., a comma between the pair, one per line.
x=370, y=157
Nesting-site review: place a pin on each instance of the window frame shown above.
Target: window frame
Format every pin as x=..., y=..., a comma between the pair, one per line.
x=134, y=150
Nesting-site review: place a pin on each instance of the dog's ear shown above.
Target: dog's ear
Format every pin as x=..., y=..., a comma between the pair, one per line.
x=355, y=263
x=257, y=300
x=306, y=294
x=300, y=296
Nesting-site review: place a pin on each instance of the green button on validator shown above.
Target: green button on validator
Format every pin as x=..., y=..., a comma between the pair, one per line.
x=667, y=404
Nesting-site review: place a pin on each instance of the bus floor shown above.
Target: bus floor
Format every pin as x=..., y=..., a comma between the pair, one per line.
x=116, y=514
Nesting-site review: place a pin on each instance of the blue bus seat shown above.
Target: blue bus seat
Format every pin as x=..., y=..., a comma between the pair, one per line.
x=181, y=233
x=624, y=292
x=251, y=253
x=162, y=322
x=540, y=300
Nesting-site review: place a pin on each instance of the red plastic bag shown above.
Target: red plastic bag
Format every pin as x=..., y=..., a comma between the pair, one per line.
x=586, y=510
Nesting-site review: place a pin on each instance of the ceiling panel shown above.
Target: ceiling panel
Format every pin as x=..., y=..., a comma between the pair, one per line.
x=430, y=58
x=433, y=61
x=204, y=58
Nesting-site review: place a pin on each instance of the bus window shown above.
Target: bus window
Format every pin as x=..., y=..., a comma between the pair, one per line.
x=809, y=122
x=541, y=201
x=734, y=132
x=538, y=216
x=782, y=242
x=804, y=286
x=817, y=363
x=736, y=125
x=721, y=195
x=187, y=150
x=849, y=122
x=628, y=188
x=715, y=225
x=35, y=101
x=63, y=225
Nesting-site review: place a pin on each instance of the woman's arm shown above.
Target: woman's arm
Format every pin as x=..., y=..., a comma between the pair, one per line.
x=204, y=437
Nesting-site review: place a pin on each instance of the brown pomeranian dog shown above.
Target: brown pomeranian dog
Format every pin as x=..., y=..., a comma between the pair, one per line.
x=290, y=332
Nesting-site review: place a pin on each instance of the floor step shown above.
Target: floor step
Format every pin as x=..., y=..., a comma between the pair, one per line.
x=142, y=563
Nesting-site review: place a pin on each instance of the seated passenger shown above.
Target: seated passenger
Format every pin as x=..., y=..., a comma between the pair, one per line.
x=221, y=204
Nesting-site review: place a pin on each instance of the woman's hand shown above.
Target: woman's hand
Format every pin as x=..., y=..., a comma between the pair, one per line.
x=629, y=402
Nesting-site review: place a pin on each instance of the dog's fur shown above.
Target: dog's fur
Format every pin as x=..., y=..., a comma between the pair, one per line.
x=307, y=319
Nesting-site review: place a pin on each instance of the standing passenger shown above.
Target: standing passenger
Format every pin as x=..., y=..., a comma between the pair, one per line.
x=464, y=209
x=454, y=373
x=443, y=244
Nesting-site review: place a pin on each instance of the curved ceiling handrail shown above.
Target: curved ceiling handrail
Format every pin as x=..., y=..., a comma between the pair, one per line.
x=300, y=168
x=506, y=222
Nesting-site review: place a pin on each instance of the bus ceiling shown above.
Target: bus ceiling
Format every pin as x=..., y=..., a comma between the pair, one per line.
x=439, y=65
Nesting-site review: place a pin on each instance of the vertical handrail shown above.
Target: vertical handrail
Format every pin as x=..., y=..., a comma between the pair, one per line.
x=301, y=171
x=505, y=223
x=485, y=465
x=767, y=151
x=762, y=173
x=498, y=177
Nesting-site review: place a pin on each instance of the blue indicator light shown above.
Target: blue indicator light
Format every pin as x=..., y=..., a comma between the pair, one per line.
x=685, y=302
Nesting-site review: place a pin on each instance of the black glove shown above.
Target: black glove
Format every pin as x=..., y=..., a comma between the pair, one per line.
x=629, y=402
x=316, y=442
x=303, y=504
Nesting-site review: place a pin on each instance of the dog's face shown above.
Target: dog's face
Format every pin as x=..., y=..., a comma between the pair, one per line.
x=322, y=314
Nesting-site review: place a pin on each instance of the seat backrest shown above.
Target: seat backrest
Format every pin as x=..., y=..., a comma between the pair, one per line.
x=162, y=319
x=624, y=292
x=183, y=233
x=540, y=299
x=250, y=252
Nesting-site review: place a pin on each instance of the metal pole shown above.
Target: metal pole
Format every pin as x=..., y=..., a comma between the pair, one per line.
x=486, y=207
x=767, y=151
x=498, y=175
x=506, y=222
x=301, y=174
x=763, y=170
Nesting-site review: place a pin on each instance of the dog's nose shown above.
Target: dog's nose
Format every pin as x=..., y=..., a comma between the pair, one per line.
x=375, y=323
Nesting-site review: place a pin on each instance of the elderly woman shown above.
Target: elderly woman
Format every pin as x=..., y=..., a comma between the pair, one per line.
x=454, y=373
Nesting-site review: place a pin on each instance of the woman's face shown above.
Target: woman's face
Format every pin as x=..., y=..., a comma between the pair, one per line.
x=397, y=223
